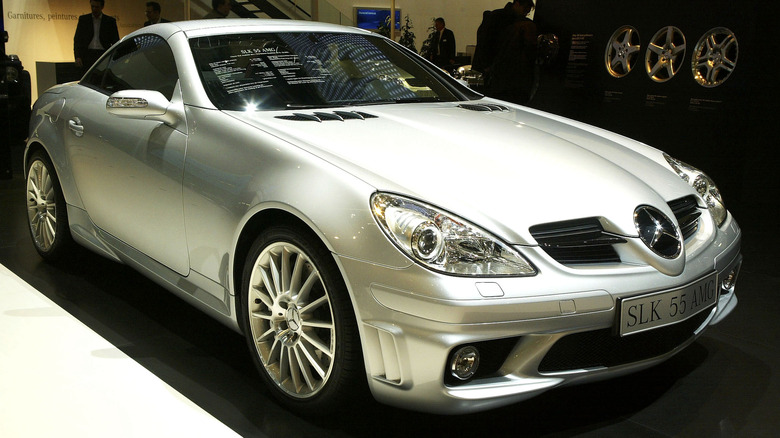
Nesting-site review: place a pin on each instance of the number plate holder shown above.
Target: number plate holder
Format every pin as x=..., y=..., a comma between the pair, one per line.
x=659, y=309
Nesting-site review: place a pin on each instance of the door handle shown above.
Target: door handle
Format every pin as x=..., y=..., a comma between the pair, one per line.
x=75, y=125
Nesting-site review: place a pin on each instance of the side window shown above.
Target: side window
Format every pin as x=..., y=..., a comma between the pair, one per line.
x=142, y=63
x=96, y=75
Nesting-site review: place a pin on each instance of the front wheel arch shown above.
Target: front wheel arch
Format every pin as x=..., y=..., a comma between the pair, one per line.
x=249, y=233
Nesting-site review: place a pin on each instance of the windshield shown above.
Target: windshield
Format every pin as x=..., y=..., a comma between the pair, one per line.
x=301, y=70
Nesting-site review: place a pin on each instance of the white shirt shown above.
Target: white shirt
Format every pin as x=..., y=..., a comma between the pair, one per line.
x=95, y=43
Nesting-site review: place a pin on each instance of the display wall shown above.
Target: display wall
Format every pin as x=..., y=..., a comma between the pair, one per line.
x=721, y=124
x=42, y=30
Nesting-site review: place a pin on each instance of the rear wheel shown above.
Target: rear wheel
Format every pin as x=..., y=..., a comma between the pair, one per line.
x=299, y=322
x=46, y=211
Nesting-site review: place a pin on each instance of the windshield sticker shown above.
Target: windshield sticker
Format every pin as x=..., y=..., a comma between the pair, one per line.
x=252, y=69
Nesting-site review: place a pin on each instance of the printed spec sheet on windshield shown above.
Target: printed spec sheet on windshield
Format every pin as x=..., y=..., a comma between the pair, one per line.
x=256, y=68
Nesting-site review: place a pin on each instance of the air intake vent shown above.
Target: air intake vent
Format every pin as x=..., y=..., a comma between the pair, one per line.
x=577, y=242
x=601, y=348
x=486, y=107
x=686, y=210
x=339, y=116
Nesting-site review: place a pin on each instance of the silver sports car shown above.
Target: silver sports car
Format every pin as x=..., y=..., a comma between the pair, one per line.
x=369, y=224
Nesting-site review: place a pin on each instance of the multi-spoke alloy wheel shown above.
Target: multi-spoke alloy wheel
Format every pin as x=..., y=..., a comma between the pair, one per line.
x=622, y=51
x=291, y=320
x=299, y=319
x=46, y=212
x=714, y=57
x=665, y=54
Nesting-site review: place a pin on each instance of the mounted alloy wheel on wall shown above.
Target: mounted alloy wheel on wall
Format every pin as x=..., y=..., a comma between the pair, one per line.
x=714, y=57
x=622, y=51
x=665, y=54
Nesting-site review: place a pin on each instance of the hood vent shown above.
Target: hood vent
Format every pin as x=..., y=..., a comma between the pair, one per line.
x=485, y=107
x=325, y=117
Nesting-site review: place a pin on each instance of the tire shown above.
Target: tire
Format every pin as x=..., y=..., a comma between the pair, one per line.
x=47, y=213
x=299, y=323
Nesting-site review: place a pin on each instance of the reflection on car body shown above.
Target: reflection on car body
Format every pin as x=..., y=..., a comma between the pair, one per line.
x=370, y=224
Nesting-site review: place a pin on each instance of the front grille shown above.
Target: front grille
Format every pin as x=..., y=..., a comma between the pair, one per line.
x=576, y=242
x=686, y=210
x=602, y=348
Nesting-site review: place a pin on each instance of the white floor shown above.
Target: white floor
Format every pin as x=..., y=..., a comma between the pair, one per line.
x=60, y=379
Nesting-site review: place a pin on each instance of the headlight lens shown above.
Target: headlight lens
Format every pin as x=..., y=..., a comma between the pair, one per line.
x=443, y=242
x=703, y=185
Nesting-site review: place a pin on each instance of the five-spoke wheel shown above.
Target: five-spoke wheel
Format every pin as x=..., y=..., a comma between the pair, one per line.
x=664, y=54
x=622, y=51
x=714, y=57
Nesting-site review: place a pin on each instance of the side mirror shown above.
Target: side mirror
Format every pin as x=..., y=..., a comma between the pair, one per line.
x=143, y=105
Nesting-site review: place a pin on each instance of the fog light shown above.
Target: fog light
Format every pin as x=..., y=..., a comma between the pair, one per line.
x=465, y=362
x=728, y=283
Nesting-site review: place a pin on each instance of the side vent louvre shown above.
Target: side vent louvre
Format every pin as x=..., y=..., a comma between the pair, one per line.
x=339, y=116
x=484, y=107
x=382, y=352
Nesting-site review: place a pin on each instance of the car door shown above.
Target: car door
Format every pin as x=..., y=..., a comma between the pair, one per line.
x=129, y=172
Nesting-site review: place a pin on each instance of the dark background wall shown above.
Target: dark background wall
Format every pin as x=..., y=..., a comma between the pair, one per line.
x=728, y=130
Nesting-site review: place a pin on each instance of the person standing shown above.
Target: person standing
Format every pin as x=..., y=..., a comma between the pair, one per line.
x=443, y=44
x=219, y=9
x=153, y=11
x=95, y=33
x=506, y=50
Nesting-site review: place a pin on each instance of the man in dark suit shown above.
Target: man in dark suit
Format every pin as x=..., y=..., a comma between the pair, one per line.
x=95, y=33
x=153, y=11
x=219, y=9
x=443, y=45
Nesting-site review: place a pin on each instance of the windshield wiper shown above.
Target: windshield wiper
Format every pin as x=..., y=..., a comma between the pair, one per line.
x=403, y=100
x=315, y=105
x=294, y=106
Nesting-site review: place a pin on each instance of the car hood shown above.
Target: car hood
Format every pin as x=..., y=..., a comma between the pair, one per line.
x=504, y=170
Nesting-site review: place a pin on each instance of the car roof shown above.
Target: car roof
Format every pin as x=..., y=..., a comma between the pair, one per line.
x=198, y=28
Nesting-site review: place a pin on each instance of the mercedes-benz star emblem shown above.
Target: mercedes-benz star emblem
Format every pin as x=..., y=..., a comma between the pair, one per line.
x=657, y=231
x=293, y=318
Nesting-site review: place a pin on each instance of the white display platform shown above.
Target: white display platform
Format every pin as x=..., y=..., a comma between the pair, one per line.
x=60, y=379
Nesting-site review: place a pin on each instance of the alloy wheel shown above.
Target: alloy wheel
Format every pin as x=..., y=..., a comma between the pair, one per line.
x=41, y=205
x=622, y=51
x=665, y=53
x=291, y=320
x=714, y=57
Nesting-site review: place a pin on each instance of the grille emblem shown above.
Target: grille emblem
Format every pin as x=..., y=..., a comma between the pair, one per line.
x=658, y=232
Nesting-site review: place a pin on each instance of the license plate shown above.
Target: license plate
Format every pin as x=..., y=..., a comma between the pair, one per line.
x=646, y=312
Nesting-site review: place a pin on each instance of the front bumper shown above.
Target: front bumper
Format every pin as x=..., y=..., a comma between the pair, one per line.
x=532, y=332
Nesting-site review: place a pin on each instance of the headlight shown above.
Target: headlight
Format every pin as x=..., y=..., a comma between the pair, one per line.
x=444, y=242
x=703, y=185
